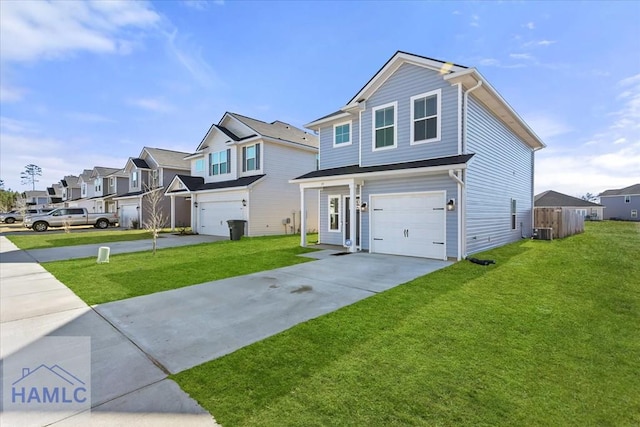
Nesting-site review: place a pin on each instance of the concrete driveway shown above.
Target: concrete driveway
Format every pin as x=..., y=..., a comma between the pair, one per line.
x=185, y=327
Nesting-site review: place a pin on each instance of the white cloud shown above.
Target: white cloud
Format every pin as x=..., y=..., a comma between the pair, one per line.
x=475, y=21
x=11, y=94
x=190, y=58
x=89, y=117
x=201, y=4
x=33, y=30
x=529, y=25
x=619, y=141
x=521, y=56
x=543, y=43
x=547, y=127
x=152, y=104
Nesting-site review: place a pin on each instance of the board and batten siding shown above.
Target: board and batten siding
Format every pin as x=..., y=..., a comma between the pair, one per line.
x=274, y=199
x=410, y=80
x=325, y=236
x=500, y=170
x=440, y=182
x=342, y=155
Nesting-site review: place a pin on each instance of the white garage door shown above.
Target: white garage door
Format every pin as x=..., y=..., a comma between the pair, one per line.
x=127, y=214
x=214, y=216
x=410, y=224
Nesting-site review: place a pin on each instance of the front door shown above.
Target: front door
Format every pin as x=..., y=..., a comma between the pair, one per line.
x=347, y=222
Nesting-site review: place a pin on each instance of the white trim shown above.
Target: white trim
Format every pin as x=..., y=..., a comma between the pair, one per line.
x=329, y=197
x=393, y=104
x=438, y=94
x=360, y=136
x=316, y=124
x=459, y=85
x=343, y=144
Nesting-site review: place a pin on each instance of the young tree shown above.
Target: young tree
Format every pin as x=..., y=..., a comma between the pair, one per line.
x=155, y=218
x=7, y=199
x=29, y=175
x=589, y=197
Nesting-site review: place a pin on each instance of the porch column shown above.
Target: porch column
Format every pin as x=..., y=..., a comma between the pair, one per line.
x=303, y=220
x=352, y=216
x=173, y=213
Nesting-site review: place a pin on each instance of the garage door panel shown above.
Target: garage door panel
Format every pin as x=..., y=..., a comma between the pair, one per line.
x=214, y=216
x=409, y=224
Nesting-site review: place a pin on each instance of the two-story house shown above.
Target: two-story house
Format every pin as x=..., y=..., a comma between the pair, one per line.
x=150, y=172
x=623, y=203
x=103, y=180
x=426, y=160
x=54, y=194
x=70, y=191
x=86, y=191
x=241, y=171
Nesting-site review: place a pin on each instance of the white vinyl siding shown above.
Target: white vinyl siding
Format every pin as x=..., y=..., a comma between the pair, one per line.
x=385, y=119
x=425, y=117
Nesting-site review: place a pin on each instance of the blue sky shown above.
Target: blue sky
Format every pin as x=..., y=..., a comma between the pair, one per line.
x=90, y=84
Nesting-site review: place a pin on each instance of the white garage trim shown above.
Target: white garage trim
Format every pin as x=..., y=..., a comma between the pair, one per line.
x=410, y=224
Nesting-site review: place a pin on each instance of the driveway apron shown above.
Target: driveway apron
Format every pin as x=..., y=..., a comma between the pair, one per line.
x=185, y=327
x=127, y=387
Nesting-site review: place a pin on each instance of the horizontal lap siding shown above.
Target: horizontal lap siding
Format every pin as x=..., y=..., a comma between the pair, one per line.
x=407, y=81
x=332, y=157
x=414, y=185
x=500, y=170
x=327, y=237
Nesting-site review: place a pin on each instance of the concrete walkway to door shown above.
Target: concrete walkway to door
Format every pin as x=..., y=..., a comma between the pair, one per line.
x=185, y=327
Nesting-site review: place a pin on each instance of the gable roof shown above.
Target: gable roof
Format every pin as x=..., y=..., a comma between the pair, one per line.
x=167, y=158
x=103, y=171
x=454, y=74
x=627, y=191
x=70, y=181
x=86, y=175
x=277, y=130
x=553, y=199
x=196, y=183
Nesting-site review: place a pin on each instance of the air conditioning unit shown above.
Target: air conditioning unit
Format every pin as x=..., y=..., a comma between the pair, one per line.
x=543, y=233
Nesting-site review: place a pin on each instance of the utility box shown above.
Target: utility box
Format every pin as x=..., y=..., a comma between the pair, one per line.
x=236, y=228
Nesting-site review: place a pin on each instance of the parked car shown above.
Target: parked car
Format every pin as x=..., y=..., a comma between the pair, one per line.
x=16, y=215
x=70, y=216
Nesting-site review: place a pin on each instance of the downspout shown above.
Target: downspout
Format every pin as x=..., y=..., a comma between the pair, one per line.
x=462, y=221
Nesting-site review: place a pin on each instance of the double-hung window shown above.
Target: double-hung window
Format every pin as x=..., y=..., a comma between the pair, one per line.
x=134, y=179
x=96, y=185
x=513, y=214
x=385, y=118
x=342, y=134
x=425, y=117
x=251, y=158
x=334, y=213
x=627, y=199
x=220, y=162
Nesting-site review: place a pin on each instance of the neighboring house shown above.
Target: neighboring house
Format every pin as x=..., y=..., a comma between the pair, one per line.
x=115, y=184
x=241, y=171
x=70, y=191
x=86, y=191
x=584, y=208
x=426, y=160
x=622, y=204
x=36, y=198
x=103, y=193
x=152, y=170
x=54, y=194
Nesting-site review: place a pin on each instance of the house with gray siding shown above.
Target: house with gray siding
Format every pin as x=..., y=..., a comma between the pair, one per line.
x=150, y=172
x=426, y=160
x=584, y=208
x=623, y=203
x=241, y=171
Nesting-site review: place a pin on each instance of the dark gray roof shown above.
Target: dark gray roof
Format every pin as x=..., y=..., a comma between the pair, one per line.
x=141, y=164
x=278, y=130
x=355, y=169
x=627, y=191
x=103, y=171
x=196, y=183
x=335, y=113
x=169, y=158
x=51, y=191
x=70, y=181
x=553, y=199
x=134, y=193
x=228, y=133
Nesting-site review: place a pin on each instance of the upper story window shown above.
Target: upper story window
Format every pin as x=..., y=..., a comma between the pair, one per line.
x=134, y=179
x=112, y=181
x=97, y=184
x=251, y=158
x=627, y=199
x=83, y=189
x=199, y=166
x=220, y=162
x=342, y=134
x=154, y=181
x=385, y=118
x=425, y=117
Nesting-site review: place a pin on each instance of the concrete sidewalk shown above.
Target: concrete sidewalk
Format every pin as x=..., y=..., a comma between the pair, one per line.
x=127, y=387
x=85, y=251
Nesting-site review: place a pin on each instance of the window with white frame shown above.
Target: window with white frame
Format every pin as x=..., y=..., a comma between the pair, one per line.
x=199, y=166
x=112, y=181
x=153, y=179
x=384, y=126
x=97, y=185
x=342, y=134
x=425, y=117
x=134, y=179
x=83, y=189
x=220, y=163
x=251, y=158
x=627, y=199
x=634, y=213
x=334, y=213
x=513, y=214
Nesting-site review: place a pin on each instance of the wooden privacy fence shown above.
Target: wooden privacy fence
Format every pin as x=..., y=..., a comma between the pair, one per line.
x=564, y=222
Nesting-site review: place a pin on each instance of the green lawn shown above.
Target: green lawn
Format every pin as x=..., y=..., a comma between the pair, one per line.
x=33, y=240
x=141, y=273
x=549, y=336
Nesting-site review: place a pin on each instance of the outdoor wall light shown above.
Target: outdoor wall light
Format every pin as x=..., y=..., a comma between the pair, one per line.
x=244, y=202
x=451, y=205
x=195, y=204
x=138, y=207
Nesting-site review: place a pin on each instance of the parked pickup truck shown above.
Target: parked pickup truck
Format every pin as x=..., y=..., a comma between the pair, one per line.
x=71, y=216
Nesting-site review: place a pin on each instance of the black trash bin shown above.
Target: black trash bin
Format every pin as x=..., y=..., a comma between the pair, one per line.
x=236, y=228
